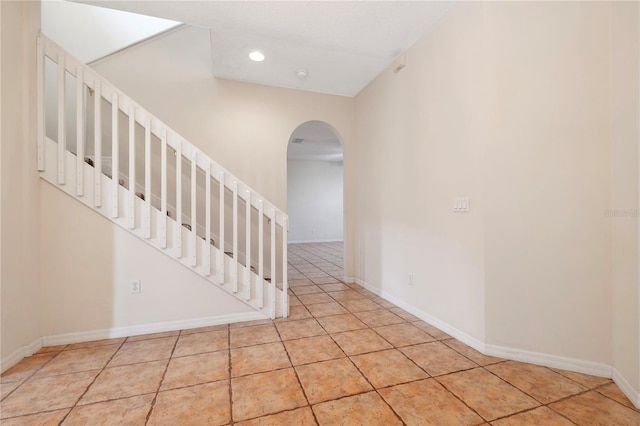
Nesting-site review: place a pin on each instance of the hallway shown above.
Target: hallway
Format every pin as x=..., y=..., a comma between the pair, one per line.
x=344, y=356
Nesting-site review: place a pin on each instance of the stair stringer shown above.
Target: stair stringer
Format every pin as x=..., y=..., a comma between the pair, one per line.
x=269, y=306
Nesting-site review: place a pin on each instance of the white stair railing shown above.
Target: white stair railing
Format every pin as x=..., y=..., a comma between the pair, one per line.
x=98, y=183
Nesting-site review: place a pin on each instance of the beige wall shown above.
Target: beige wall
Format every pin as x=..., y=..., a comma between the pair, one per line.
x=625, y=79
x=20, y=213
x=509, y=104
x=85, y=284
x=418, y=147
x=244, y=127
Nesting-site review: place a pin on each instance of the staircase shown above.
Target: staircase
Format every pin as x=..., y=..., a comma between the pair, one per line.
x=109, y=153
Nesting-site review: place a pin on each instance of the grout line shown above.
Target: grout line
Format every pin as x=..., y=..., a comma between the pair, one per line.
x=164, y=374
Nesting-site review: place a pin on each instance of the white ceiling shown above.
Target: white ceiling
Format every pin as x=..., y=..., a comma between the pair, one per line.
x=319, y=142
x=342, y=45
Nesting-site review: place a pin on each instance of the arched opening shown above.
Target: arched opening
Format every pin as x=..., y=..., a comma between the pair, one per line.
x=315, y=204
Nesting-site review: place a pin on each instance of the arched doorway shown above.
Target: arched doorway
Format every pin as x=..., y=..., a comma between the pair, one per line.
x=315, y=203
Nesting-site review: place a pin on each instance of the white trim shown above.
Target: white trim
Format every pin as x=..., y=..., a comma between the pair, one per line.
x=316, y=241
x=548, y=360
x=158, y=327
x=17, y=355
x=626, y=388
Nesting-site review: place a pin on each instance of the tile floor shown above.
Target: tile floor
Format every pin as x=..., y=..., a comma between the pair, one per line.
x=345, y=356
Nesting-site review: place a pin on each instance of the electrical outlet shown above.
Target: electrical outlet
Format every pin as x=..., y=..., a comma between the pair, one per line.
x=134, y=286
x=411, y=279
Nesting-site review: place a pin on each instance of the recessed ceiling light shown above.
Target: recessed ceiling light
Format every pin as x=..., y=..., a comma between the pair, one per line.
x=256, y=56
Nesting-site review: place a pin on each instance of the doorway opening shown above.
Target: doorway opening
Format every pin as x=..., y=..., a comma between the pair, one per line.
x=315, y=203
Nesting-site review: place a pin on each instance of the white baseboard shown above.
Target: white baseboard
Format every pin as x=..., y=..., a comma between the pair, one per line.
x=547, y=360
x=17, y=355
x=315, y=241
x=626, y=388
x=159, y=327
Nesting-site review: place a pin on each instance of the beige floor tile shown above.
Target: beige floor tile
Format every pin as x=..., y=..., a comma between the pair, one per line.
x=344, y=295
x=340, y=323
x=404, y=314
x=584, y=379
x=94, y=358
x=7, y=388
x=314, y=298
x=363, y=409
x=433, y=331
x=27, y=367
x=326, y=309
x=296, y=313
x=94, y=343
x=403, y=334
x=593, y=408
x=360, y=341
x=383, y=303
x=387, y=368
x=326, y=279
x=312, y=349
x=153, y=336
x=198, y=343
x=294, y=301
x=360, y=305
x=196, y=369
x=307, y=289
x=143, y=351
x=258, y=359
x=539, y=382
x=316, y=275
x=49, y=349
x=47, y=394
x=378, y=318
x=266, y=393
x=471, y=353
x=300, y=282
x=248, y=336
x=125, y=381
x=333, y=287
x=437, y=359
x=426, y=402
x=51, y=418
x=485, y=393
x=206, y=404
x=300, y=416
x=613, y=391
x=298, y=329
x=333, y=379
x=127, y=411
x=249, y=323
x=538, y=416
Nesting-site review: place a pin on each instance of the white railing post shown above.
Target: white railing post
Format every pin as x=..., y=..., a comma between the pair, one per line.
x=247, y=271
x=41, y=108
x=221, y=258
x=178, y=236
x=62, y=120
x=234, y=271
x=272, y=287
x=115, y=164
x=260, y=287
x=97, y=135
x=194, y=209
x=79, y=131
x=207, y=219
x=147, y=178
x=163, y=190
x=285, y=267
x=131, y=206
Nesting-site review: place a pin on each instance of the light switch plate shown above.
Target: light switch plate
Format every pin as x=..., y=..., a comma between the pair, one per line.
x=461, y=204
